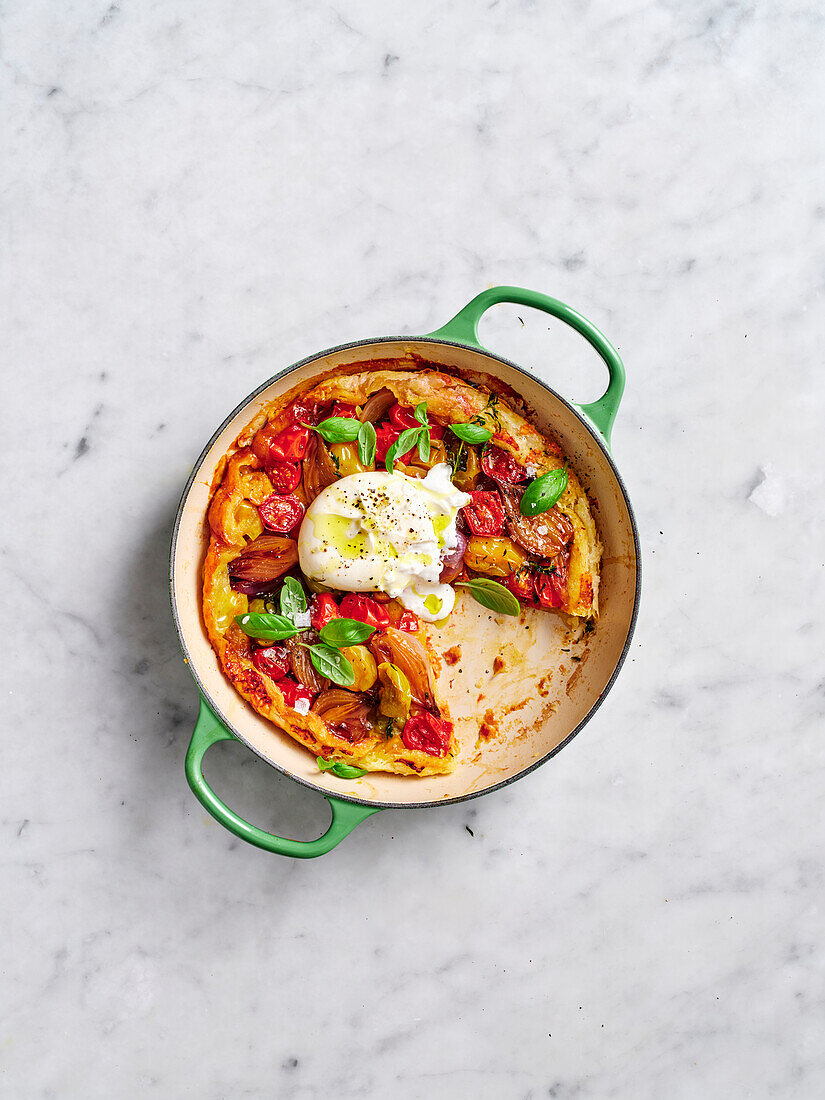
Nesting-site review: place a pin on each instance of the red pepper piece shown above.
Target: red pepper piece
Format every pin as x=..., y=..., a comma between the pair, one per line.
x=340, y=408
x=365, y=610
x=426, y=733
x=281, y=513
x=484, y=513
x=386, y=435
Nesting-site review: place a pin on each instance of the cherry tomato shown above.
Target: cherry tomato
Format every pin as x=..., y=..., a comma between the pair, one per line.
x=290, y=445
x=484, y=513
x=385, y=436
x=402, y=417
x=303, y=411
x=283, y=475
x=324, y=608
x=272, y=660
x=365, y=610
x=501, y=466
x=296, y=695
x=407, y=621
x=522, y=584
x=340, y=408
x=426, y=733
x=551, y=588
x=281, y=514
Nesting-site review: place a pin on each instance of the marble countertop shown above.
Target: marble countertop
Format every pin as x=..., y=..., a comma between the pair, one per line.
x=193, y=198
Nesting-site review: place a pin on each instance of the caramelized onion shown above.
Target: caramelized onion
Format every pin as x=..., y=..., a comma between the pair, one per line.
x=453, y=563
x=301, y=664
x=264, y=560
x=376, y=405
x=349, y=713
x=319, y=469
x=403, y=650
x=545, y=535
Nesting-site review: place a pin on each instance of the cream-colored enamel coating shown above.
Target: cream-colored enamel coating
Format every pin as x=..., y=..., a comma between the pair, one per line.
x=540, y=695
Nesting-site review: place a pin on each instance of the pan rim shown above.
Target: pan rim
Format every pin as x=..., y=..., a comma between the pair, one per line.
x=374, y=803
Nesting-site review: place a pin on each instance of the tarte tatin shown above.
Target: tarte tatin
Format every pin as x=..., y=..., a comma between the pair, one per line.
x=349, y=511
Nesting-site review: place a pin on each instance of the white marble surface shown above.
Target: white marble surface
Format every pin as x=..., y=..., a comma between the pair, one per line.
x=195, y=195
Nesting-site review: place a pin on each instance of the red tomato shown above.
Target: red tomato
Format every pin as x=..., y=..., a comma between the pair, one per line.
x=385, y=436
x=522, y=585
x=407, y=621
x=290, y=445
x=324, y=608
x=402, y=417
x=484, y=513
x=273, y=661
x=283, y=475
x=365, y=610
x=303, y=411
x=296, y=695
x=551, y=588
x=426, y=733
x=281, y=514
x=342, y=409
x=501, y=466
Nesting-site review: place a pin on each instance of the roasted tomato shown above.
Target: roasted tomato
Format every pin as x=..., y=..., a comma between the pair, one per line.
x=386, y=435
x=522, y=585
x=402, y=417
x=408, y=621
x=296, y=695
x=290, y=445
x=551, y=588
x=426, y=733
x=303, y=411
x=501, y=466
x=340, y=408
x=484, y=513
x=493, y=556
x=324, y=608
x=365, y=610
x=273, y=660
x=283, y=475
x=544, y=535
x=281, y=514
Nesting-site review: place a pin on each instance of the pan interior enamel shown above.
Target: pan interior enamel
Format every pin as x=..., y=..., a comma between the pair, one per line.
x=531, y=683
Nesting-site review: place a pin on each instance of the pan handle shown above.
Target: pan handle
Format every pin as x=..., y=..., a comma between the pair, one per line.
x=345, y=815
x=463, y=329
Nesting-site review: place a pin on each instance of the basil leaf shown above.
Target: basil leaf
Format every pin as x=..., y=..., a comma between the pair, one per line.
x=332, y=664
x=271, y=628
x=343, y=771
x=471, y=433
x=343, y=632
x=421, y=414
x=366, y=444
x=293, y=600
x=424, y=445
x=337, y=429
x=492, y=595
x=541, y=494
x=405, y=442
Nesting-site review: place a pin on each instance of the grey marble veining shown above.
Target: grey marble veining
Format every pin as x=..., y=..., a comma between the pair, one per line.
x=196, y=196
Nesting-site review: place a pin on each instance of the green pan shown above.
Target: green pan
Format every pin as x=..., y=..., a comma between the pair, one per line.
x=531, y=711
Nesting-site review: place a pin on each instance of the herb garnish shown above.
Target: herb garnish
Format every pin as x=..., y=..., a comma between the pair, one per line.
x=337, y=429
x=492, y=595
x=541, y=494
x=343, y=771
